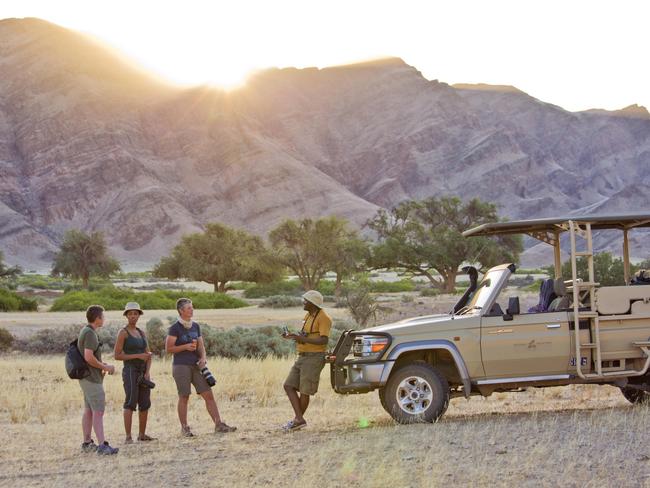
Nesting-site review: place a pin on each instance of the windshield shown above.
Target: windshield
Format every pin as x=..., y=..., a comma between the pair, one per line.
x=484, y=291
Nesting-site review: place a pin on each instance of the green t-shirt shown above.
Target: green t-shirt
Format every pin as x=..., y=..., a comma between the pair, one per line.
x=88, y=339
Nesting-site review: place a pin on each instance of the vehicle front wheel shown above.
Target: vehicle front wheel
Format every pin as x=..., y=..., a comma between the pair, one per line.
x=635, y=396
x=416, y=392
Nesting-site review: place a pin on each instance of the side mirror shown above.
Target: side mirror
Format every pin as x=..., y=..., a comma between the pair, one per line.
x=513, y=308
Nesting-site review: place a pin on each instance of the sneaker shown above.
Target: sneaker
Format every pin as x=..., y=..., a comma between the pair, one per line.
x=145, y=438
x=186, y=432
x=89, y=446
x=223, y=428
x=107, y=450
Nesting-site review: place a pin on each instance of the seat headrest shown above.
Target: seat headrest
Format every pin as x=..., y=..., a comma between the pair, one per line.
x=559, y=288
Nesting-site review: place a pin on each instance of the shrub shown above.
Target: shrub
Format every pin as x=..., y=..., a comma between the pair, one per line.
x=429, y=292
x=112, y=298
x=263, y=290
x=13, y=302
x=281, y=301
x=402, y=286
x=245, y=343
x=156, y=333
x=407, y=299
x=6, y=339
x=56, y=340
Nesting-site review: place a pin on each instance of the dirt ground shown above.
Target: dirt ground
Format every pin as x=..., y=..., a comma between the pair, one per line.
x=579, y=436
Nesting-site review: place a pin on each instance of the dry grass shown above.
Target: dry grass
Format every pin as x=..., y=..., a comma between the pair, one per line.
x=573, y=436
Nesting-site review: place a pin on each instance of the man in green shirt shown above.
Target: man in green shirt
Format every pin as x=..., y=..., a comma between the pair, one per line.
x=92, y=386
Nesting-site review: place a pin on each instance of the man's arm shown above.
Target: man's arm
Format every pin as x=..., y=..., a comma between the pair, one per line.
x=90, y=358
x=317, y=341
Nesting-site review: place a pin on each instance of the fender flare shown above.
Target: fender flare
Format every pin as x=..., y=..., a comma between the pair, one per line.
x=430, y=345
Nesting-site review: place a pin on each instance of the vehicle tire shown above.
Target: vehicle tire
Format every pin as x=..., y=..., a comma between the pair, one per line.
x=635, y=396
x=382, y=397
x=416, y=392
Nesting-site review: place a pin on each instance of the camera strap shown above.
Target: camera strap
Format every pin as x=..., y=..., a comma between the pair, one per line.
x=313, y=321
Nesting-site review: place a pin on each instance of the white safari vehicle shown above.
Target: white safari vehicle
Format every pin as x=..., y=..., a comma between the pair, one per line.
x=584, y=334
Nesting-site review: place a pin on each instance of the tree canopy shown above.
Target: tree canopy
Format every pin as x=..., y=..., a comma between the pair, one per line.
x=7, y=272
x=425, y=238
x=82, y=256
x=311, y=248
x=219, y=255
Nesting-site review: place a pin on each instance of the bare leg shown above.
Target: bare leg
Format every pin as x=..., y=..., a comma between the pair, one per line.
x=304, y=402
x=87, y=424
x=294, y=399
x=182, y=409
x=142, y=417
x=128, y=421
x=211, y=405
x=98, y=426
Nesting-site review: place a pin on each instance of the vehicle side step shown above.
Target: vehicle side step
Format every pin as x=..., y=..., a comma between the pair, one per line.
x=588, y=345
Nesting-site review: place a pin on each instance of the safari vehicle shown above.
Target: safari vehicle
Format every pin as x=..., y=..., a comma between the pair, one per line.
x=482, y=346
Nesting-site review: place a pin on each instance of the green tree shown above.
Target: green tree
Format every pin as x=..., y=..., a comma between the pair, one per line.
x=219, y=255
x=311, y=248
x=425, y=236
x=82, y=256
x=608, y=270
x=8, y=273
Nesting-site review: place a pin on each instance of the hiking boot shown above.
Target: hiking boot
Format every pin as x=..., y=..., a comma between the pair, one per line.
x=224, y=428
x=89, y=446
x=106, y=449
x=186, y=432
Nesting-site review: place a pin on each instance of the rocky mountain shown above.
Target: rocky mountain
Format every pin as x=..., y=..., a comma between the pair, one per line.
x=89, y=141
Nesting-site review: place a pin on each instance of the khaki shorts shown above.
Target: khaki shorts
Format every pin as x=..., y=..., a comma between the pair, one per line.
x=185, y=376
x=305, y=373
x=94, y=397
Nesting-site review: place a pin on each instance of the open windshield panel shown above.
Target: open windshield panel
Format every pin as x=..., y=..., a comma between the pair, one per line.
x=487, y=291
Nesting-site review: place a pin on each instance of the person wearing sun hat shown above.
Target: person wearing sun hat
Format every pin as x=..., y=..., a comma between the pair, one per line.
x=131, y=347
x=311, y=344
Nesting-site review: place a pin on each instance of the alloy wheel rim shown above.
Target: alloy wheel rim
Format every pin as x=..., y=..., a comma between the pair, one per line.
x=414, y=395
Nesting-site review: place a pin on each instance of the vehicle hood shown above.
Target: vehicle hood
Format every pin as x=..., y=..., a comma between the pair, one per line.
x=405, y=324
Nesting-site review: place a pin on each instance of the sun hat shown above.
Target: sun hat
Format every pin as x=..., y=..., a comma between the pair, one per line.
x=132, y=306
x=312, y=296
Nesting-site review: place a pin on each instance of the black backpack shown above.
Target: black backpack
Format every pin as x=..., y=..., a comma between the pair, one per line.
x=75, y=364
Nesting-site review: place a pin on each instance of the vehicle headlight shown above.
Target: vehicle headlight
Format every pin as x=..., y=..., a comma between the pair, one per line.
x=369, y=347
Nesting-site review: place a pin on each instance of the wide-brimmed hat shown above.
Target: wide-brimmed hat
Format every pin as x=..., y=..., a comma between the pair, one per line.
x=312, y=296
x=132, y=306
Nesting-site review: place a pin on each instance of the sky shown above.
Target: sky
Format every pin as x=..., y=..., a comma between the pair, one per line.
x=578, y=54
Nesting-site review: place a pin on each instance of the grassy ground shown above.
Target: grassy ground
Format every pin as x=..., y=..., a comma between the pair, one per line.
x=582, y=436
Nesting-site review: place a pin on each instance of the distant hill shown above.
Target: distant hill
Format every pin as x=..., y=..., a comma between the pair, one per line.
x=89, y=141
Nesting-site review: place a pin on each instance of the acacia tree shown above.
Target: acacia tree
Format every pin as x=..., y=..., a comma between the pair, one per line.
x=7, y=272
x=82, y=256
x=311, y=248
x=219, y=255
x=426, y=236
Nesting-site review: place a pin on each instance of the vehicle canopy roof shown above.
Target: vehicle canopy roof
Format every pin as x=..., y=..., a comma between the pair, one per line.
x=536, y=227
x=549, y=231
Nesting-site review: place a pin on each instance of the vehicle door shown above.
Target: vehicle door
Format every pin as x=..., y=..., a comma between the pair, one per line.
x=531, y=344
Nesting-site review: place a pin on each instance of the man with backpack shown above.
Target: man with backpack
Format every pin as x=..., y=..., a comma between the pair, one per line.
x=92, y=385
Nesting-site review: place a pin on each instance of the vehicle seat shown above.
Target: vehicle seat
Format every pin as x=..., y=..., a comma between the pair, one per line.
x=561, y=302
x=546, y=297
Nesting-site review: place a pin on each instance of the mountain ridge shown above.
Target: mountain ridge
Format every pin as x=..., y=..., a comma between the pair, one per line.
x=87, y=141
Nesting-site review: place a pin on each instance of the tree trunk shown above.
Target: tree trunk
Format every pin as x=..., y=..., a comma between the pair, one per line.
x=337, y=287
x=449, y=281
x=84, y=281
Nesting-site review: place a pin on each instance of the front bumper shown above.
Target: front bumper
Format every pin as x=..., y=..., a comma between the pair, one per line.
x=355, y=376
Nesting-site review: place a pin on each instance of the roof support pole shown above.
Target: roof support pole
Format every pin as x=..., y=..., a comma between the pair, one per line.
x=558, y=256
x=626, y=257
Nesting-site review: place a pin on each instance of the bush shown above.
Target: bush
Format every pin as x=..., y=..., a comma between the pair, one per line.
x=56, y=340
x=112, y=298
x=240, y=343
x=429, y=292
x=6, y=339
x=156, y=333
x=263, y=290
x=407, y=299
x=402, y=286
x=12, y=302
x=281, y=301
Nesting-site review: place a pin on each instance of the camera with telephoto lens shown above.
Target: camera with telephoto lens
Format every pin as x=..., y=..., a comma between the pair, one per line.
x=146, y=383
x=209, y=377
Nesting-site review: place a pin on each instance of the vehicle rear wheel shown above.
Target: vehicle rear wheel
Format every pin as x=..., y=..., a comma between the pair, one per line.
x=417, y=392
x=635, y=396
